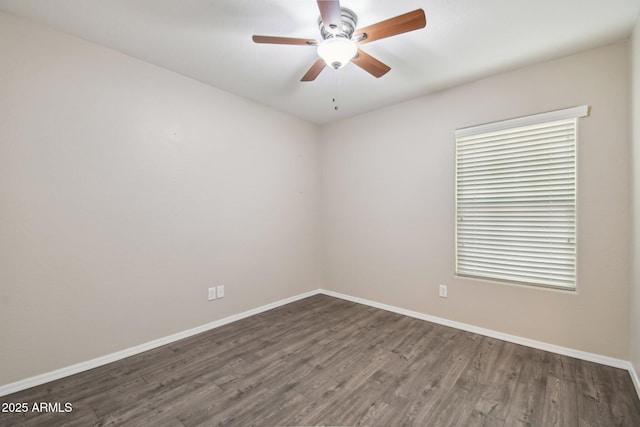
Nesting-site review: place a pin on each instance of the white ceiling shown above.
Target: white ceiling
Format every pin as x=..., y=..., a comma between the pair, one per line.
x=210, y=41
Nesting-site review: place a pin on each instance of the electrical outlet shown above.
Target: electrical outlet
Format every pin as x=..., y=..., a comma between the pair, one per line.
x=443, y=291
x=212, y=294
x=220, y=291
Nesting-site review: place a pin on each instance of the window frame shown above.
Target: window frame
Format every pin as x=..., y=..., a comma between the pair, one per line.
x=517, y=124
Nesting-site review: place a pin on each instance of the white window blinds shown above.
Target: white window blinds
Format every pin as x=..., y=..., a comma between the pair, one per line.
x=516, y=199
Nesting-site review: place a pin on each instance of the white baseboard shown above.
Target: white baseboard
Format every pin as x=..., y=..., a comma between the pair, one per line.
x=578, y=354
x=113, y=357
x=634, y=378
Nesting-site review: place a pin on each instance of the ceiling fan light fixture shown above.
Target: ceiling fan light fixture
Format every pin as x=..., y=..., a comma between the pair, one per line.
x=337, y=51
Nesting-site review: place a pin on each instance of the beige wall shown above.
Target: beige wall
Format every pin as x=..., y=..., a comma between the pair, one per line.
x=635, y=129
x=388, y=208
x=126, y=190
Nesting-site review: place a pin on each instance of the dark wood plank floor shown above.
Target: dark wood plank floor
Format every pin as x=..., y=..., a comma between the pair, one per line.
x=325, y=361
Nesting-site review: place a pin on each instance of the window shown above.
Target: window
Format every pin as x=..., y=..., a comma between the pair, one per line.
x=516, y=199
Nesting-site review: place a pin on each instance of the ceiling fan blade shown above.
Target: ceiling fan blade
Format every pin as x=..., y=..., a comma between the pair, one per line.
x=313, y=72
x=330, y=13
x=370, y=64
x=400, y=24
x=285, y=40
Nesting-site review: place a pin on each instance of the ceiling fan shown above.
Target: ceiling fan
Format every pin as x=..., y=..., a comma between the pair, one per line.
x=340, y=39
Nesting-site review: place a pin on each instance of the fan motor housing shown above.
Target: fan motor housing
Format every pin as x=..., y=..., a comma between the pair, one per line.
x=349, y=22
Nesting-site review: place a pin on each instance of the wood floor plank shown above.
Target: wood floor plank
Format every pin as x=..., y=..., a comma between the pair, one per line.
x=527, y=403
x=623, y=404
x=560, y=405
x=482, y=419
x=499, y=379
x=606, y=396
x=326, y=361
x=468, y=388
x=562, y=367
x=349, y=391
x=437, y=379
